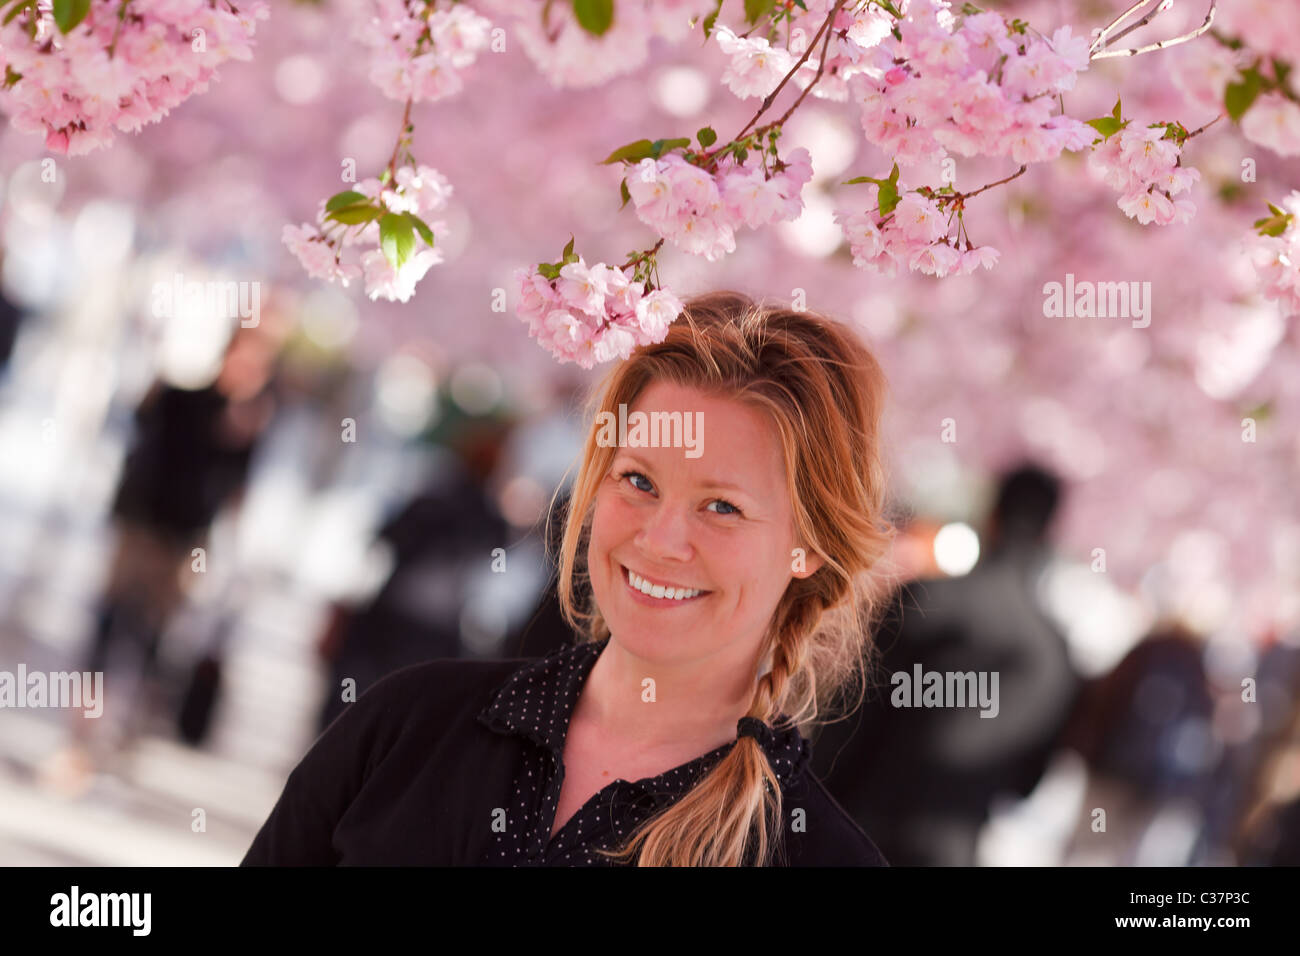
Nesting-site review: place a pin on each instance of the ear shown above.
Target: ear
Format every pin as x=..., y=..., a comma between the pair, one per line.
x=807, y=564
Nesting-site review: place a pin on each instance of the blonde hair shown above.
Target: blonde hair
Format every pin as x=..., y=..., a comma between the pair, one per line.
x=824, y=391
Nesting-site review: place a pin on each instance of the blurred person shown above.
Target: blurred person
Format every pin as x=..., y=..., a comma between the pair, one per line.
x=436, y=539
x=922, y=775
x=1144, y=731
x=189, y=457
x=730, y=596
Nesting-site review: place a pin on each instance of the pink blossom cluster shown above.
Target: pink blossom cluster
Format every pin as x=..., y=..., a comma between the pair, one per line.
x=106, y=75
x=569, y=56
x=854, y=46
x=422, y=191
x=755, y=67
x=593, y=314
x=1146, y=169
x=699, y=211
x=418, y=53
x=947, y=87
x=914, y=234
x=1277, y=259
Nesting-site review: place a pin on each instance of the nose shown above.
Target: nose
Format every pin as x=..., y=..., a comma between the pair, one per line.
x=665, y=535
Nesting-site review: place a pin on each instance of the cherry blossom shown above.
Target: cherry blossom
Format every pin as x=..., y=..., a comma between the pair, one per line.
x=592, y=314
x=364, y=216
x=417, y=53
x=110, y=73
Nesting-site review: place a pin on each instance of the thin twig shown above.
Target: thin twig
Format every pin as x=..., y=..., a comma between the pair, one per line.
x=1114, y=24
x=771, y=97
x=1163, y=6
x=962, y=197
x=1162, y=44
x=1198, y=132
x=821, y=65
x=401, y=137
x=641, y=256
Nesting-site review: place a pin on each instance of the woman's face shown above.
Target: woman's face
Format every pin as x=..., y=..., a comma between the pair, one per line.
x=720, y=523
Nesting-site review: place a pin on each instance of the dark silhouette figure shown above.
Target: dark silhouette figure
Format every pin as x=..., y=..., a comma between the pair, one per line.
x=436, y=538
x=190, y=457
x=922, y=779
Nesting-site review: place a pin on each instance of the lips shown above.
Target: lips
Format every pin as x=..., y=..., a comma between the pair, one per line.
x=663, y=601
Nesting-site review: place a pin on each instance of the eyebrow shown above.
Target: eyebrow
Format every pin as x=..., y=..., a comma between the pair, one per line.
x=708, y=482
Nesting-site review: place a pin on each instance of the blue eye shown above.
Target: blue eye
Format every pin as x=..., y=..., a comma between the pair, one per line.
x=722, y=501
x=634, y=474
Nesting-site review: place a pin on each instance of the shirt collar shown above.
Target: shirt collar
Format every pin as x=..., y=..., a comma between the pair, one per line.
x=538, y=699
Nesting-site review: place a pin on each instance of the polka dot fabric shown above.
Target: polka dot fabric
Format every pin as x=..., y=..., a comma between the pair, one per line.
x=536, y=703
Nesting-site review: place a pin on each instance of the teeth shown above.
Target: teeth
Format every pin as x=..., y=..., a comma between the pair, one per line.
x=659, y=590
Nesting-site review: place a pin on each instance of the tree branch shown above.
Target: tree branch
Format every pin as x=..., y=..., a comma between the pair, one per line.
x=1162, y=44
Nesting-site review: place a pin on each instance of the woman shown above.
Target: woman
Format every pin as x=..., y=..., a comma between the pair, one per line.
x=729, y=601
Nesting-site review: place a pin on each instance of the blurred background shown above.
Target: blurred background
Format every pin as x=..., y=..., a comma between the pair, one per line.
x=227, y=519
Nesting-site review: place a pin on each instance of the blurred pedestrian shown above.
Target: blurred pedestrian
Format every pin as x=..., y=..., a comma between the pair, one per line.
x=922, y=775
x=189, y=457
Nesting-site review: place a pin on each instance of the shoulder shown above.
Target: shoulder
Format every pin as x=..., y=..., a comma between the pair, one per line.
x=440, y=686
x=824, y=834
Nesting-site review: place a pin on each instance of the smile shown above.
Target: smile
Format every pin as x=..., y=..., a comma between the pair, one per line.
x=659, y=594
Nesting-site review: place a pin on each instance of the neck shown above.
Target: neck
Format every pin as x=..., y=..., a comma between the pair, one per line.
x=697, y=702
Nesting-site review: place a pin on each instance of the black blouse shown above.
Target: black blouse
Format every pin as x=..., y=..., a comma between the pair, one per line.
x=459, y=762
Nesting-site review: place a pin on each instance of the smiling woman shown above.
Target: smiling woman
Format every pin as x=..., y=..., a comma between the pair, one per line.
x=734, y=584
x=727, y=598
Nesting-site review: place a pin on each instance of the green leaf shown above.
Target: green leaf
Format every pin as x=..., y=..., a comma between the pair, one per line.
x=349, y=197
x=351, y=215
x=1275, y=224
x=861, y=179
x=659, y=146
x=1116, y=111
x=421, y=227
x=622, y=191
x=568, y=249
x=1238, y=96
x=893, y=175
x=396, y=238
x=707, y=137
x=1107, y=126
x=756, y=8
x=12, y=76
x=632, y=152
x=594, y=16
x=711, y=19
x=549, y=270
x=888, y=198
x=69, y=13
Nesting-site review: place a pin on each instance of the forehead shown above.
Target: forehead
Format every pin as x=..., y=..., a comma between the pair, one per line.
x=741, y=444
